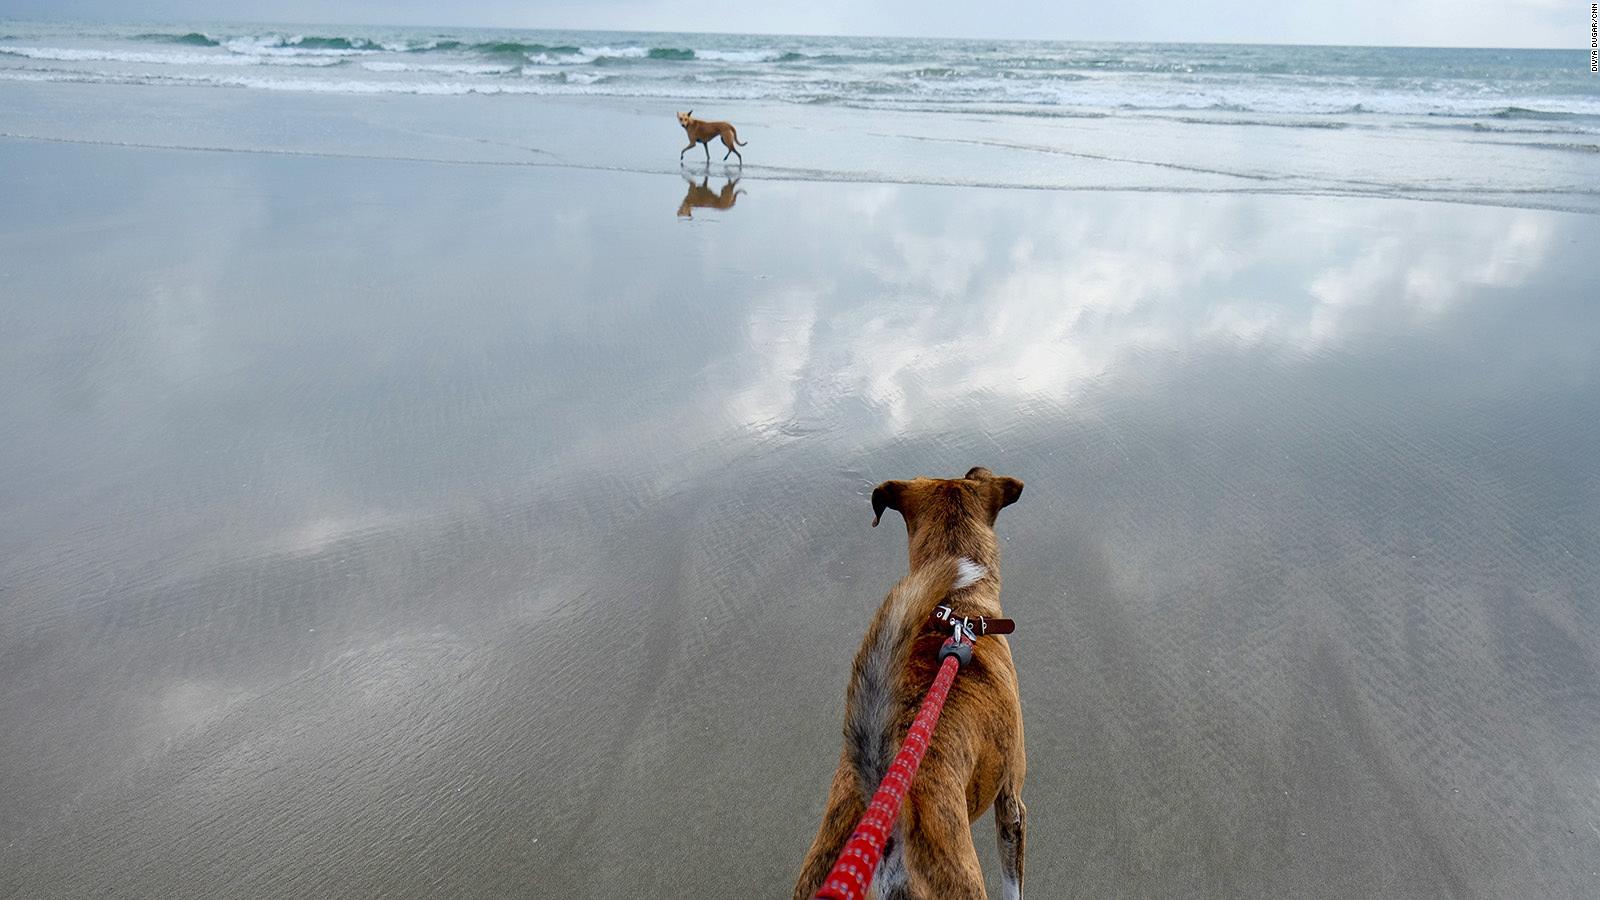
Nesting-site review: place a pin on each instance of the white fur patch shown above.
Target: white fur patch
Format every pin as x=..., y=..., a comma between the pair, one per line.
x=968, y=573
x=1010, y=890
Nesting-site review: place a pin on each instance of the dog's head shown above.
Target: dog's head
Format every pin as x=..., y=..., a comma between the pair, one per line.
x=685, y=118
x=946, y=505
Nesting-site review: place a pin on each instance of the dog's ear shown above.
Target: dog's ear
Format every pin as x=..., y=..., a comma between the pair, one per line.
x=997, y=491
x=887, y=496
x=688, y=114
x=1003, y=492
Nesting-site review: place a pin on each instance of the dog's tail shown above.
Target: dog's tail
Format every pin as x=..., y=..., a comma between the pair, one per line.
x=871, y=707
x=736, y=137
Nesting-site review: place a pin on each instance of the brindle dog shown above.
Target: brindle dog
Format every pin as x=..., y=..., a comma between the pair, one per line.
x=976, y=757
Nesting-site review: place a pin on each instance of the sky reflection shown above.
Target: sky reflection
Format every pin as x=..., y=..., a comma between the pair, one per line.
x=307, y=458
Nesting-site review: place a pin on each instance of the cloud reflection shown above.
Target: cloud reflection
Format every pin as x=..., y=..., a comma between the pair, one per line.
x=1021, y=296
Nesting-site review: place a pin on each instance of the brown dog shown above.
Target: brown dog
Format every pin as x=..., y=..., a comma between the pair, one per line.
x=702, y=132
x=976, y=757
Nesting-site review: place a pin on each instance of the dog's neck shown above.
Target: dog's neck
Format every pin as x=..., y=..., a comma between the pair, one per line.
x=934, y=540
x=967, y=539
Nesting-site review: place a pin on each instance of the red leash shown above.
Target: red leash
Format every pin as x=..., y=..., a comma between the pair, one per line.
x=858, y=861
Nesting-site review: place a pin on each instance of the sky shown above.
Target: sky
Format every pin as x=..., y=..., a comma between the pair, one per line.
x=1462, y=23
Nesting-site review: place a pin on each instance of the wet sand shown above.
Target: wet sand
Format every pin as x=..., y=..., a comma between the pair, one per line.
x=385, y=528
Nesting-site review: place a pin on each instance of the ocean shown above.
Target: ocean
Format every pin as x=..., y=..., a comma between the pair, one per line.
x=1533, y=91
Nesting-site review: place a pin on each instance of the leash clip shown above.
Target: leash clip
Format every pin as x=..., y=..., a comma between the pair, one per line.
x=959, y=643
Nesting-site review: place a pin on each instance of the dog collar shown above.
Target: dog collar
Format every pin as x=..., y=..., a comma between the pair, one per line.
x=944, y=618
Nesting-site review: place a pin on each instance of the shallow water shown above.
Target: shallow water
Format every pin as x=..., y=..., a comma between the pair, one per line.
x=500, y=530
x=1517, y=163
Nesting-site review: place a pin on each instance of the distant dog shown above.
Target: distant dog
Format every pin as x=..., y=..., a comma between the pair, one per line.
x=976, y=758
x=702, y=132
x=702, y=196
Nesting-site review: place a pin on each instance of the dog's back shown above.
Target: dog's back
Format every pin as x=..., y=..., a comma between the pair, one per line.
x=877, y=699
x=875, y=704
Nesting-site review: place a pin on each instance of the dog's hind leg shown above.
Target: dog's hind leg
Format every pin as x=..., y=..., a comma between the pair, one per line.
x=845, y=806
x=940, y=859
x=726, y=142
x=1011, y=834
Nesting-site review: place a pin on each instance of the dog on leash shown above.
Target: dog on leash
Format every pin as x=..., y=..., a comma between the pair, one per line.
x=702, y=132
x=976, y=757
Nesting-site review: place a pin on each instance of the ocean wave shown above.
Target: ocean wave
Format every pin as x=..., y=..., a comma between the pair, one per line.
x=746, y=56
x=599, y=53
x=543, y=55
x=299, y=85
x=1563, y=146
x=331, y=43
x=300, y=45
x=441, y=68
x=515, y=48
x=1519, y=112
x=350, y=44
x=74, y=54
x=1041, y=76
x=580, y=56
x=568, y=54
x=309, y=44
x=191, y=38
x=46, y=75
x=1519, y=118
x=1479, y=125
x=547, y=83
x=316, y=86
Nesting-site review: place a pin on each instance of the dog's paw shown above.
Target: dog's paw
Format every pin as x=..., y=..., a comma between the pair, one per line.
x=968, y=573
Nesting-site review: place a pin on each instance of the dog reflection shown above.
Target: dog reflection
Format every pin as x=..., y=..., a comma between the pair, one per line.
x=702, y=196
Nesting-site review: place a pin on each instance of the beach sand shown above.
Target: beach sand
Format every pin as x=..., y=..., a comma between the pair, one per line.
x=373, y=527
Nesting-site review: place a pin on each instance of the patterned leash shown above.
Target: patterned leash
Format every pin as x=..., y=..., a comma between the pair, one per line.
x=858, y=861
